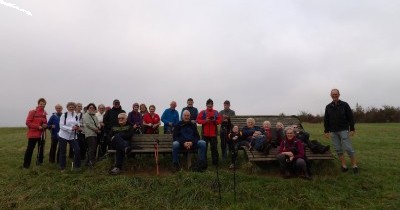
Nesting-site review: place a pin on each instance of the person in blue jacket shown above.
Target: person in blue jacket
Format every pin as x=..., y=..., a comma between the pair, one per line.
x=170, y=118
x=54, y=126
x=186, y=137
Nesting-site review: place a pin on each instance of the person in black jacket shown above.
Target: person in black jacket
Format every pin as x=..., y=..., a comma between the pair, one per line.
x=314, y=145
x=110, y=120
x=339, y=123
x=121, y=140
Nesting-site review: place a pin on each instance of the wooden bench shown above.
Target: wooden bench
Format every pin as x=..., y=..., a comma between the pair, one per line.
x=145, y=144
x=256, y=156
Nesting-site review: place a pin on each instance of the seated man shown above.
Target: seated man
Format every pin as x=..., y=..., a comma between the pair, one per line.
x=186, y=136
x=121, y=140
x=315, y=146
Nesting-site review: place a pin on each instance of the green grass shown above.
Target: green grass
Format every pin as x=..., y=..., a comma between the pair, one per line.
x=44, y=187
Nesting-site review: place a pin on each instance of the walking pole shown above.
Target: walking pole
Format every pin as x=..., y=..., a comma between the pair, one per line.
x=234, y=180
x=72, y=163
x=156, y=142
x=40, y=146
x=219, y=184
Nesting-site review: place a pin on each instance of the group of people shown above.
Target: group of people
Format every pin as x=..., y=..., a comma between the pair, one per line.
x=91, y=132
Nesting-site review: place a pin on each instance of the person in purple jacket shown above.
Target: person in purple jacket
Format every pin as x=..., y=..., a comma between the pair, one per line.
x=135, y=118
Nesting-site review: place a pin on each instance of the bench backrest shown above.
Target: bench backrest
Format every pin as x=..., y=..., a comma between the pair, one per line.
x=147, y=141
x=240, y=120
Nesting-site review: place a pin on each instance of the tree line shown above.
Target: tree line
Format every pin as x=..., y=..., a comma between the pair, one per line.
x=384, y=114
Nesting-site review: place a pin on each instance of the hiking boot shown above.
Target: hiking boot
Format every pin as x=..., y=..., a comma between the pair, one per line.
x=344, y=169
x=286, y=175
x=355, y=170
x=115, y=171
x=325, y=149
x=176, y=168
x=232, y=166
x=128, y=151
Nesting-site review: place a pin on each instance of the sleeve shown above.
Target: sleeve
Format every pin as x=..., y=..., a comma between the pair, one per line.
x=300, y=150
x=176, y=120
x=219, y=119
x=350, y=117
x=51, y=121
x=326, y=120
x=196, y=134
x=164, y=116
x=176, y=134
x=200, y=119
x=30, y=120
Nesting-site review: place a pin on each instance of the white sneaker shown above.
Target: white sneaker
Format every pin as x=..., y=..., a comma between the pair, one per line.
x=115, y=171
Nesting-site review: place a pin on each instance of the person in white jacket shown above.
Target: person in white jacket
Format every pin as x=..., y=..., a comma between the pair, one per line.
x=69, y=126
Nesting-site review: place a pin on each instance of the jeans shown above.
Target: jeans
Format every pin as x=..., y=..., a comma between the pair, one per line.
x=63, y=152
x=177, y=147
x=29, y=152
x=120, y=144
x=214, y=148
x=224, y=136
x=341, y=141
x=54, y=150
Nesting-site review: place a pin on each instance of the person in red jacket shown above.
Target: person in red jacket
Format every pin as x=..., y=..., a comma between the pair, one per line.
x=210, y=119
x=37, y=124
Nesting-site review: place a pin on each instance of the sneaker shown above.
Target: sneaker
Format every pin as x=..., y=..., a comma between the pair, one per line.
x=344, y=169
x=115, y=171
x=355, y=170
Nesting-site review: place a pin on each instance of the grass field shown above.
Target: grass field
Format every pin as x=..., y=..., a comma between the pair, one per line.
x=44, y=187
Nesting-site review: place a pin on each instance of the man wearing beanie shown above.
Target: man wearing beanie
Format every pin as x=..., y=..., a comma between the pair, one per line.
x=210, y=119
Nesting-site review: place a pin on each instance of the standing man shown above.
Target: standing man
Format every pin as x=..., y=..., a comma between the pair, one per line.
x=226, y=126
x=110, y=119
x=339, y=122
x=170, y=118
x=54, y=126
x=187, y=137
x=210, y=119
x=193, y=110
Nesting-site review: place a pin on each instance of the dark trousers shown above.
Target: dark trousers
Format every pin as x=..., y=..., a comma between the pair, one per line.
x=119, y=144
x=92, y=149
x=224, y=145
x=102, y=145
x=234, y=147
x=82, y=145
x=54, y=150
x=29, y=152
x=63, y=153
x=297, y=165
x=214, y=148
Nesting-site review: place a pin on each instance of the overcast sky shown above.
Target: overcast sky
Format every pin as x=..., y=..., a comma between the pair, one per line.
x=266, y=57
